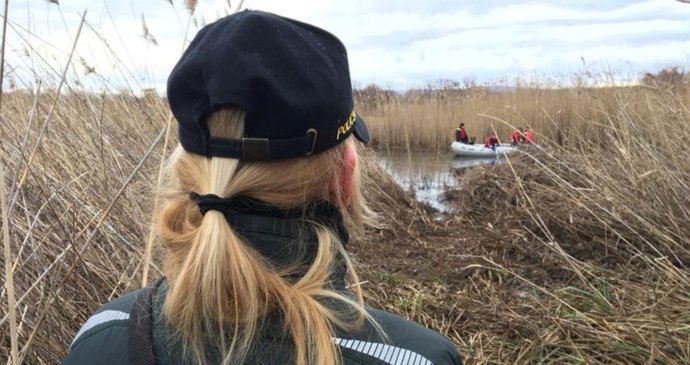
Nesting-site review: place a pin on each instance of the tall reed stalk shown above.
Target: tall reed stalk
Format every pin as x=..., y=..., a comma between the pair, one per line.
x=9, y=278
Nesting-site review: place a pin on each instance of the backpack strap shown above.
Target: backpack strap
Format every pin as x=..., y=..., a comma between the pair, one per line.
x=140, y=327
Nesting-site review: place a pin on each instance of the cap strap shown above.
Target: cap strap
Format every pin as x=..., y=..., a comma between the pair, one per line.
x=256, y=149
x=262, y=149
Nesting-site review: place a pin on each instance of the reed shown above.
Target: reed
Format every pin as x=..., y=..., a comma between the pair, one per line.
x=563, y=115
x=581, y=249
x=574, y=252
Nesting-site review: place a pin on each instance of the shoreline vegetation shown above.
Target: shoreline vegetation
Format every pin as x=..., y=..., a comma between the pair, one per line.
x=575, y=252
x=426, y=118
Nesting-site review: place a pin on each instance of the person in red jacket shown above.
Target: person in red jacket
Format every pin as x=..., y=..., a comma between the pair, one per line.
x=516, y=136
x=492, y=141
x=529, y=135
x=461, y=134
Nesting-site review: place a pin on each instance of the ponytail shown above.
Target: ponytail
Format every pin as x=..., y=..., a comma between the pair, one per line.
x=219, y=287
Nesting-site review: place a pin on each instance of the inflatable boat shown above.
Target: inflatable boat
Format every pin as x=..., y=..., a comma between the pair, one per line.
x=478, y=150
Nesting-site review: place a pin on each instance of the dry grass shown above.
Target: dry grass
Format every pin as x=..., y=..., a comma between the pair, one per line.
x=561, y=256
x=598, y=266
x=576, y=252
x=568, y=116
x=79, y=220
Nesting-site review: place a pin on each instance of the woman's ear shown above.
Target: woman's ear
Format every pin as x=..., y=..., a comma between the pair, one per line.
x=347, y=173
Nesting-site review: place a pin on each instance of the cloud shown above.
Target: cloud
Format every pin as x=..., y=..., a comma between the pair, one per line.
x=390, y=42
x=514, y=39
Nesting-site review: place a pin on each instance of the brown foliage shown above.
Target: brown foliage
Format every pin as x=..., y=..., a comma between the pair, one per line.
x=668, y=78
x=574, y=252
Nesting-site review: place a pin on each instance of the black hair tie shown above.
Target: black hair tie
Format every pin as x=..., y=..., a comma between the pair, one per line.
x=211, y=202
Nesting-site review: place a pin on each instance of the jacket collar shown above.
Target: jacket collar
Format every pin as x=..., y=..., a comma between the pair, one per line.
x=286, y=237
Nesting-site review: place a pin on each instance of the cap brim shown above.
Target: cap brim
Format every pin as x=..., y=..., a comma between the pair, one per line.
x=360, y=130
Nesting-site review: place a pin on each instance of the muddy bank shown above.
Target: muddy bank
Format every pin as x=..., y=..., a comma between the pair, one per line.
x=517, y=272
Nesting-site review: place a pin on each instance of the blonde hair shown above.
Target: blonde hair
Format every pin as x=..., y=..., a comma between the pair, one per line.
x=218, y=284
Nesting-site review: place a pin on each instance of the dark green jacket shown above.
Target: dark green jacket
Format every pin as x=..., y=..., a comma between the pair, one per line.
x=104, y=337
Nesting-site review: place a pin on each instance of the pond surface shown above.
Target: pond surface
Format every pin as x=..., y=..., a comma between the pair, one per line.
x=427, y=174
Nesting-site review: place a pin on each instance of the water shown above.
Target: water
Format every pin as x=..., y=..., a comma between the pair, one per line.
x=428, y=174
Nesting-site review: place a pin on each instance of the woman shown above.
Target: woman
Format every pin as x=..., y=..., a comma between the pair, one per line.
x=260, y=197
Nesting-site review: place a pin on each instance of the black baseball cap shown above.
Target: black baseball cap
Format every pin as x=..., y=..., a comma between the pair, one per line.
x=292, y=80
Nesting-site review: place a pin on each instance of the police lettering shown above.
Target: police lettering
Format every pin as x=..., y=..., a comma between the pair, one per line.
x=345, y=127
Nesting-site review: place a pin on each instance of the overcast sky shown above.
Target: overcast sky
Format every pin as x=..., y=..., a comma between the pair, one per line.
x=394, y=43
